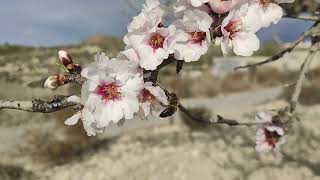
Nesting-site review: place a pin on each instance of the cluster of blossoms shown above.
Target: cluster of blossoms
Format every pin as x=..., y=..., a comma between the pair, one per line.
x=116, y=89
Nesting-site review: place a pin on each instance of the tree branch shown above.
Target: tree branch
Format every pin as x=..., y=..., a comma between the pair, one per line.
x=41, y=106
x=218, y=120
x=282, y=53
x=304, y=68
x=152, y=75
x=75, y=78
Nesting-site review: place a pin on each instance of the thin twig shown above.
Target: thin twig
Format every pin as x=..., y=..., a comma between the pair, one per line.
x=218, y=120
x=304, y=67
x=75, y=78
x=152, y=75
x=280, y=54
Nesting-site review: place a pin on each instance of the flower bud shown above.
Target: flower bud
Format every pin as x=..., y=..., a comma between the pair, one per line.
x=65, y=58
x=67, y=61
x=55, y=81
x=51, y=82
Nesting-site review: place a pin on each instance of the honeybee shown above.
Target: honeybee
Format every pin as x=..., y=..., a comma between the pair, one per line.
x=173, y=105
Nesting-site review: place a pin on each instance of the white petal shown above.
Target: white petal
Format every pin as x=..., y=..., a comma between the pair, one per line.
x=272, y=14
x=74, y=99
x=264, y=147
x=159, y=93
x=244, y=44
x=73, y=119
x=130, y=105
x=277, y=129
x=146, y=108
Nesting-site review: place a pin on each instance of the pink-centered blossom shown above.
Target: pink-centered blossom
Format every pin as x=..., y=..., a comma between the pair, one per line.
x=269, y=136
x=112, y=86
x=148, y=38
x=268, y=11
x=152, y=100
x=238, y=31
x=152, y=45
x=192, y=37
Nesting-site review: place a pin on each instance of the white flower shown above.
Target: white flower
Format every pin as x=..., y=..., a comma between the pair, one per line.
x=180, y=7
x=223, y=6
x=268, y=11
x=238, y=30
x=152, y=99
x=192, y=38
x=112, y=87
x=152, y=45
x=184, y=5
x=269, y=136
x=151, y=15
x=147, y=36
x=86, y=115
x=129, y=54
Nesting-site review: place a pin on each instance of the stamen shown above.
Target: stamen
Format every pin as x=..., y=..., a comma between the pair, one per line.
x=272, y=137
x=265, y=3
x=156, y=41
x=147, y=96
x=197, y=36
x=108, y=92
x=233, y=27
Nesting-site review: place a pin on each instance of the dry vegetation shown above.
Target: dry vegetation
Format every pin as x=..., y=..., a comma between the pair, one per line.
x=208, y=85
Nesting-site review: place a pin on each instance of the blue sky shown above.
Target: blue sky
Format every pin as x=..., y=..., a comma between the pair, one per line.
x=54, y=22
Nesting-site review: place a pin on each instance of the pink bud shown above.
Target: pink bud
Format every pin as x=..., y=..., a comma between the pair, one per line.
x=65, y=58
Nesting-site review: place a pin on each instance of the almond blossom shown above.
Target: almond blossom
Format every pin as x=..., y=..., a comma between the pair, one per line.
x=192, y=38
x=268, y=11
x=238, y=31
x=147, y=36
x=269, y=136
x=113, y=87
x=152, y=46
x=151, y=14
x=152, y=100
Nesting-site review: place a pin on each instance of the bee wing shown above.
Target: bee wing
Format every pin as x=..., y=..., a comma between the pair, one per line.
x=169, y=111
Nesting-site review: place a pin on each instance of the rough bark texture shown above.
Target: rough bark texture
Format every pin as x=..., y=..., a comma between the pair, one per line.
x=37, y=105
